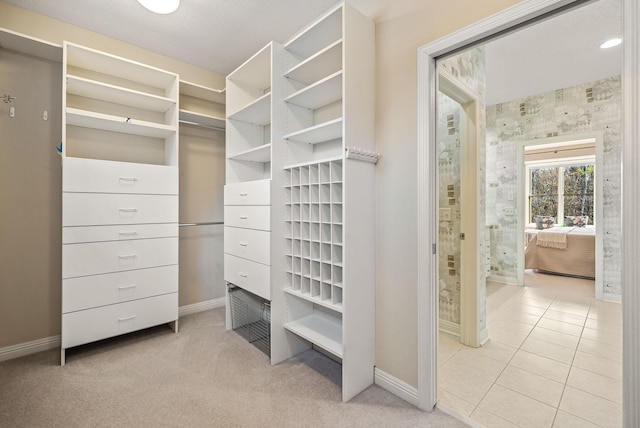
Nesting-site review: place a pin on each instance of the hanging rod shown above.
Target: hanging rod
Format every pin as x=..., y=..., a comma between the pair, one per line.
x=206, y=223
x=361, y=154
x=188, y=122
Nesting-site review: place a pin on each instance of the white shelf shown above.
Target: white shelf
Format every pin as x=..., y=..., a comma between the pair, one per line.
x=199, y=91
x=195, y=118
x=30, y=45
x=324, y=31
x=107, y=122
x=257, y=112
x=320, y=133
x=318, y=66
x=315, y=162
x=317, y=301
x=114, y=94
x=319, y=94
x=257, y=154
x=256, y=71
x=319, y=331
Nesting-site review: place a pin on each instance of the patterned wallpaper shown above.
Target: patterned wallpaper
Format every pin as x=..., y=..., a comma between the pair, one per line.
x=468, y=67
x=594, y=106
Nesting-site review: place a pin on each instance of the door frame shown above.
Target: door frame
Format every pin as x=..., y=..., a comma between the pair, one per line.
x=427, y=190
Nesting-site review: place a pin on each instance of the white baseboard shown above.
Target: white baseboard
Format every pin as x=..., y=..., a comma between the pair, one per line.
x=201, y=306
x=449, y=327
x=449, y=411
x=395, y=386
x=610, y=297
x=503, y=279
x=27, y=348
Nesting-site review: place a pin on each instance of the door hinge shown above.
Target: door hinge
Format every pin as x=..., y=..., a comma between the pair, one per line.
x=433, y=248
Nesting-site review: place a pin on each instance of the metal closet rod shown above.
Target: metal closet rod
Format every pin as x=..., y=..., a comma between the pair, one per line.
x=188, y=122
x=204, y=223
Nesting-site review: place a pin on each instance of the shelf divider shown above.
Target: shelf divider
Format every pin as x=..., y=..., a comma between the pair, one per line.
x=319, y=331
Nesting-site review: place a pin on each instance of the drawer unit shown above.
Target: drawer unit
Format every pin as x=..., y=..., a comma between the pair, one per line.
x=100, y=176
x=252, y=276
x=247, y=243
x=248, y=216
x=91, y=209
x=115, y=256
x=248, y=193
x=79, y=234
x=112, y=320
x=99, y=290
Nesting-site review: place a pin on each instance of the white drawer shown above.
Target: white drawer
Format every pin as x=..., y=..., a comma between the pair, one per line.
x=108, y=321
x=248, y=193
x=115, y=256
x=248, y=243
x=252, y=276
x=78, y=234
x=93, y=209
x=100, y=176
x=248, y=216
x=99, y=290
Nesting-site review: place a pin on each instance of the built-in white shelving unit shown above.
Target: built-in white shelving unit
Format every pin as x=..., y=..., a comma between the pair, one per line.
x=119, y=196
x=202, y=106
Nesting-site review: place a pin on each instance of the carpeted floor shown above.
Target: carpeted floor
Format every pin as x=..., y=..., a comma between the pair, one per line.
x=201, y=377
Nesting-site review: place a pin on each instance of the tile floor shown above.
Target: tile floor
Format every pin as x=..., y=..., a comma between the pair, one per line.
x=554, y=359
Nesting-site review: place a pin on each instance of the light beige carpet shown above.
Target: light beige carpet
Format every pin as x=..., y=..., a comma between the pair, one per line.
x=202, y=376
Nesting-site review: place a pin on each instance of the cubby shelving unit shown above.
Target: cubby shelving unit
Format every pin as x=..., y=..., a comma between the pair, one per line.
x=119, y=196
x=324, y=286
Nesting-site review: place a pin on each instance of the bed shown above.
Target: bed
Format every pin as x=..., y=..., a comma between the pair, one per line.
x=562, y=250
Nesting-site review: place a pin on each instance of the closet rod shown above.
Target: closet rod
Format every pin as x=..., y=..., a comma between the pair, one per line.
x=206, y=223
x=188, y=122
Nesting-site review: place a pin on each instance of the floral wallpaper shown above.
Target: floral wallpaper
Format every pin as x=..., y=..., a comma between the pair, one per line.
x=594, y=106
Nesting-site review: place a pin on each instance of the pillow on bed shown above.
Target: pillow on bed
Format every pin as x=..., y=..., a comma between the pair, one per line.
x=544, y=221
x=576, y=220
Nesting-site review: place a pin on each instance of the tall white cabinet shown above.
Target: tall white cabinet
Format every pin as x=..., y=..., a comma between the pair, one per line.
x=119, y=197
x=318, y=193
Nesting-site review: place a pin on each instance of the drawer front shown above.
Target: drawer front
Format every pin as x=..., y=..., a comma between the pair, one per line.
x=100, y=290
x=248, y=193
x=93, y=209
x=79, y=234
x=116, y=256
x=108, y=321
x=99, y=176
x=248, y=243
x=252, y=276
x=249, y=217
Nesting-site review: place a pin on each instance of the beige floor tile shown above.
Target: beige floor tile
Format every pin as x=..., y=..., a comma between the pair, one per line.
x=566, y=420
x=541, y=293
x=546, y=367
x=562, y=327
x=486, y=419
x=565, y=317
x=465, y=385
x=595, y=364
x=605, y=311
x=600, y=349
x=532, y=385
x=573, y=297
x=457, y=404
x=606, y=337
x=470, y=360
x=591, y=408
x=570, y=308
x=519, y=317
x=507, y=337
x=593, y=383
x=521, y=307
x=536, y=302
x=555, y=337
x=517, y=408
x=609, y=326
x=549, y=350
x=497, y=351
x=511, y=326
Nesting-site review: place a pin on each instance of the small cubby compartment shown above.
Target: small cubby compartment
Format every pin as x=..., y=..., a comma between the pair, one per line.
x=336, y=193
x=249, y=85
x=316, y=323
x=251, y=317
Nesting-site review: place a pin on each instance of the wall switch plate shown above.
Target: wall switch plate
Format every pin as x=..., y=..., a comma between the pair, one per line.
x=509, y=211
x=445, y=214
x=12, y=112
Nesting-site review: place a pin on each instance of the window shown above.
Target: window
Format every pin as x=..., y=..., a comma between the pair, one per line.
x=561, y=189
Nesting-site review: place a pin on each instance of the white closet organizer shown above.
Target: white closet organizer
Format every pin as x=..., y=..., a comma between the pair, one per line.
x=120, y=197
x=202, y=106
x=327, y=275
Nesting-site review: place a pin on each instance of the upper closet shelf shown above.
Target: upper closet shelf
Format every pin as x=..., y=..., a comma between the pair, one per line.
x=198, y=91
x=322, y=132
x=326, y=30
x=124, y=125
x=199, y=119
x=114, y=94
x=321, y=93
x=319, y=331
x=318, y=66
x=257, y=154
x=257, y=112
x=256, y=71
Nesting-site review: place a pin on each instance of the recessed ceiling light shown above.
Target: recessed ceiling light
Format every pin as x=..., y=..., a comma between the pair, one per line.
x=162, y=7
x=610, y=43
